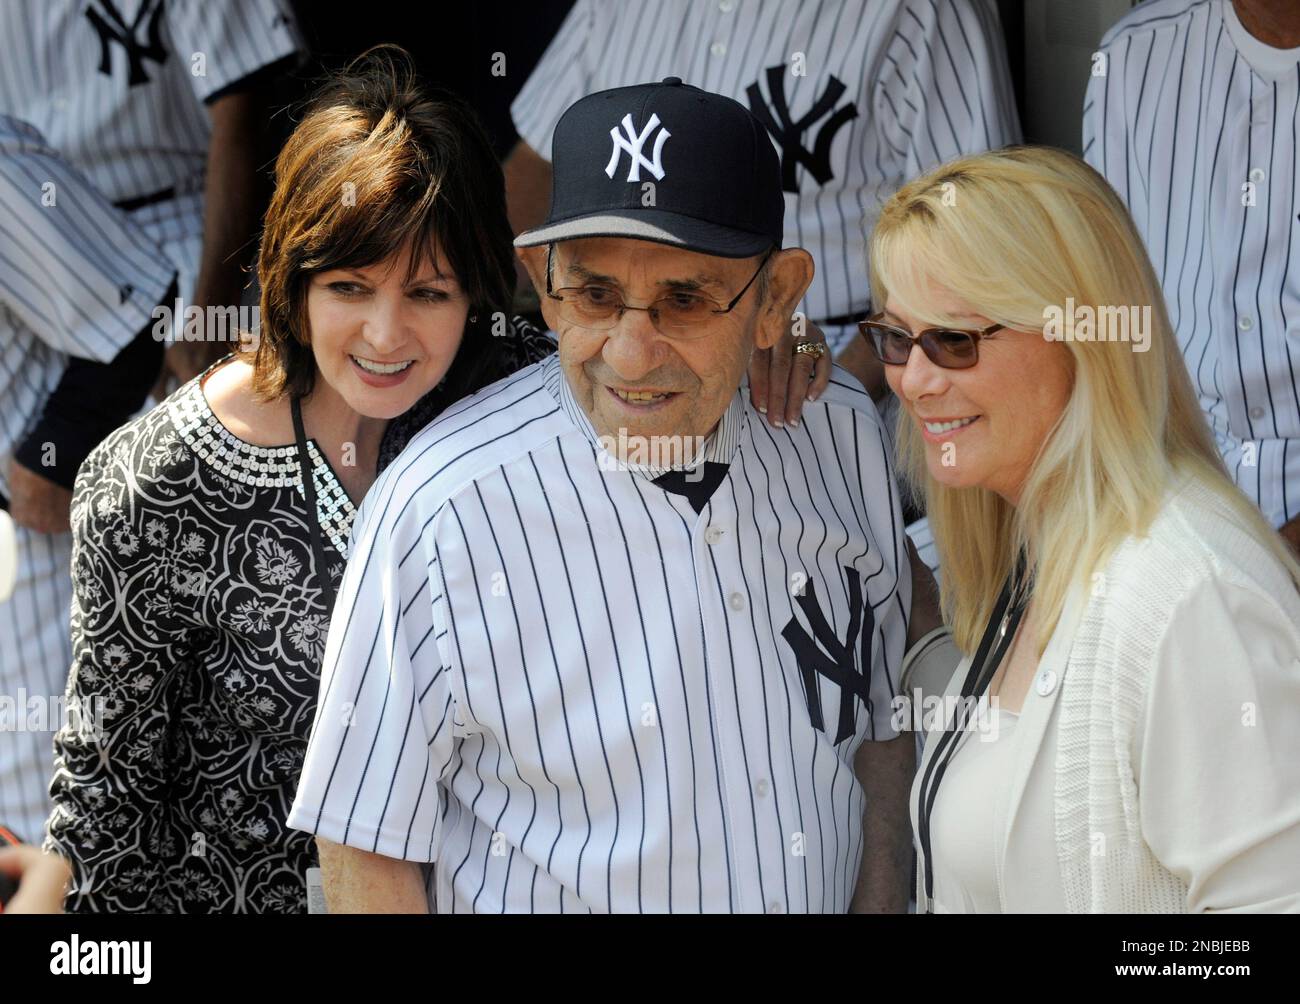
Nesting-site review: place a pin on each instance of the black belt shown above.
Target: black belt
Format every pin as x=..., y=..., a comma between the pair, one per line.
x=140, y=201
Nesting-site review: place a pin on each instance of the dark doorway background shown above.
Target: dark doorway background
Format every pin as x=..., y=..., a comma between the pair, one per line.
x=453, y=46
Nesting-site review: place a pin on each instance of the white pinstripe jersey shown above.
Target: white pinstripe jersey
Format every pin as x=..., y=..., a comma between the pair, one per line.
x=1195, y=124
x=576, y=694
x=76, y=278
x=888, y=88
x=113, y=85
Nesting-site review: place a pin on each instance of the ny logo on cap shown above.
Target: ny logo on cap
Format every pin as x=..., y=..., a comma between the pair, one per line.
x=632, y=143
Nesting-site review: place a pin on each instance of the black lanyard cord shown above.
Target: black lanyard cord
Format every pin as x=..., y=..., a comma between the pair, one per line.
x=998, y=636
x=313, y=513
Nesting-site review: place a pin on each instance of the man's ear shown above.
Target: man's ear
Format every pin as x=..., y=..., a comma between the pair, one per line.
x=790, y=273
x=534, y=261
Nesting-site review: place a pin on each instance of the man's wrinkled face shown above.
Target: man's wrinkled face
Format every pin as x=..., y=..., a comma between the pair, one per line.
x=632, y=379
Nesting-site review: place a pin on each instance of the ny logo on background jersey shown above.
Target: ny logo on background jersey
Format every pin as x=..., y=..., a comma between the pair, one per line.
x=631, y=141
x=789, y=134
x=112, y=27
x=835, y=659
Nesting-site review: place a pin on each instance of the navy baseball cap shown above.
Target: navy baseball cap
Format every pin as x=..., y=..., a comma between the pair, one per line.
x=668, y=163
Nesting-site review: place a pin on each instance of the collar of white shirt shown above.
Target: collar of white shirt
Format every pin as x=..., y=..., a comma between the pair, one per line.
x=719, y=447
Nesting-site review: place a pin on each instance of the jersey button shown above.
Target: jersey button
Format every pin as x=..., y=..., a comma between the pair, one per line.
x=1046, y=682
x=718, y=48
x=761, y=787
x=1245, y=323
x=775, y=907
x=726, y=6
x=1256, y=412
x=736, y=601
x=713, y=535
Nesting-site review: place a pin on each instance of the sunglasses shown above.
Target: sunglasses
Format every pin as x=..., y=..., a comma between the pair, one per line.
x=951, y=348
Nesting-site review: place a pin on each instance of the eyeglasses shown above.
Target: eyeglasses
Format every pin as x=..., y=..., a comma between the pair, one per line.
x=680, y=314
x=951, y=348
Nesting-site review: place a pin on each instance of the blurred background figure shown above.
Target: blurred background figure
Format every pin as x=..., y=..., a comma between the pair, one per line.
x=162, y=104
x=77, y=290
x=1192, y=114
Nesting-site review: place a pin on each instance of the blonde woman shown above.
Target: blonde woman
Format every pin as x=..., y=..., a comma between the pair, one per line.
x=1133, y=620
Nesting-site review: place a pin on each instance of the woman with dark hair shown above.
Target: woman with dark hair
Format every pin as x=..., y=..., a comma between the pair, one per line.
x=210, y=533
x=204, y=573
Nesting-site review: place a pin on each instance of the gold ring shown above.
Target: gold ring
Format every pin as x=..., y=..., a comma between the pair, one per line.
x=810, y=348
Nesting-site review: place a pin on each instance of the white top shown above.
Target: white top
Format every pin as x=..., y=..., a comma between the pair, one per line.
x=1195, y=124
x=858, y=96
x=966, y=810
x=1159, y=749
x=573, y=692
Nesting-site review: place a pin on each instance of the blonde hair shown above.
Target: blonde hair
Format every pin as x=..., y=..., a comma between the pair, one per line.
x=1012, y=232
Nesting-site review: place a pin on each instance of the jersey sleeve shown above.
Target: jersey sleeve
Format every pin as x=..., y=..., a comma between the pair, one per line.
x=1217, y=753
x=861, y=450
x=73, y=269
x=383, y=738
x=945, y=88
x=561, y=77
x=231, y=40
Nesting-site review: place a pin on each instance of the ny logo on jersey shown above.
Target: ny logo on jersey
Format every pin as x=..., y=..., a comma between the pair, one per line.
x=789, y=134
x=112, y=27
x=835, y=659
x=632, y=143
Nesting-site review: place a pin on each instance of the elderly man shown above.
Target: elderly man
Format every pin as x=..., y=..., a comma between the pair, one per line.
x=608, y=641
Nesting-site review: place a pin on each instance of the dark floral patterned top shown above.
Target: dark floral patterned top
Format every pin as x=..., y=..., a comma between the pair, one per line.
x=198, y=629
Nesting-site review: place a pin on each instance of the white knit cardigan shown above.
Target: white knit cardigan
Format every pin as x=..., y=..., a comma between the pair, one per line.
x=1177, y=776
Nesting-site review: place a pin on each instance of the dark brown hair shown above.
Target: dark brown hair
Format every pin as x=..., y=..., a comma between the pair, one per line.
x=378, y=163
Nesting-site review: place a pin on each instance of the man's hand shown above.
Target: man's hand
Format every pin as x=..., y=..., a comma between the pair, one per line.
x=38, y=503
x=780, y=379
x=42, y=879
x=1291, y=534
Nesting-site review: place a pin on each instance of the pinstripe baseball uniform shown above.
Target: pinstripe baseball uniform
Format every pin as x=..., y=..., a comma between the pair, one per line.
x=118, y=87
x=76, y=278
x=858, y=96
x=1195, y=124
x=574, y=693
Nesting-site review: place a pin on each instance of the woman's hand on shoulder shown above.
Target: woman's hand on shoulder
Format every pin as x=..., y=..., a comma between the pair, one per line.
x=781, y=379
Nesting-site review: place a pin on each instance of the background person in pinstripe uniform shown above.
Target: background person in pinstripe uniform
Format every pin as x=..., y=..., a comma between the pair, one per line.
x=582, y=681
x=160, y=103
x=78, y=283
x=1192, y=114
